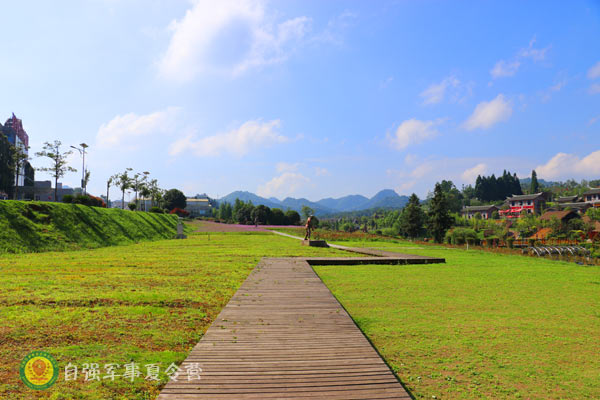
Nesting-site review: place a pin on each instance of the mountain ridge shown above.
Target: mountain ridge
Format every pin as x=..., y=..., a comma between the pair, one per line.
x=386, y=198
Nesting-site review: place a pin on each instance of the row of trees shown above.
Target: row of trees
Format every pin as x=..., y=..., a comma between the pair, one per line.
x=247, y=213
x=431, y=218
x=15, y=158
x=141, y=185
x=490, y=188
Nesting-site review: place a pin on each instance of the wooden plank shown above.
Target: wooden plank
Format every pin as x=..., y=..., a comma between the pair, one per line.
x=284, y=336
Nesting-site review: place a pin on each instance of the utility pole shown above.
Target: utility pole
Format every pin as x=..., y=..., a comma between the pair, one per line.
x=82, y=152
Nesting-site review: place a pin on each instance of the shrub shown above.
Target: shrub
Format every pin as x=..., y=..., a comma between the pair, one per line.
x=157, y=210
x=82, y=199
x=67, y=198
x=510, y=242
x=96, y=201
x=131, y=206
x=460, y=236
x=292, y=217
x=180, y=212
x=349, y=227
x=388, y=232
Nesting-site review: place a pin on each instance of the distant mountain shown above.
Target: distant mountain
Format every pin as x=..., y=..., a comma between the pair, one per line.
x=346, y=203
x=247, y=196
x=542, y=182
x=384, y=199
x=297, y=204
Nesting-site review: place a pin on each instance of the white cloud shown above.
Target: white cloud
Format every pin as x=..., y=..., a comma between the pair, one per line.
x=564, y=165
x=405, y=187
x=489, y=113
x=595, y=88
x=435, y=93
x=228, y=35
x=532, y=52
x=287, y=184
x=553, y=89
x=322, y=171
x=509, y=68
x=124, y=129
x=334, y=32
x=471, y=174
x=287, y=167
x=503, y=68
x=250, y=135
x=423, y=169
x=594, y=71
x=413, y=131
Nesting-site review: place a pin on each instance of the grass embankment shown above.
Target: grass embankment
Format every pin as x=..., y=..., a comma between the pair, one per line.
x=482, y=325
x=148, y=303
x=42, y=226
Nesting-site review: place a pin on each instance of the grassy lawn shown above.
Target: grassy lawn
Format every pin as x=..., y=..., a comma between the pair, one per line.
x=483, y=325
x=147, y=303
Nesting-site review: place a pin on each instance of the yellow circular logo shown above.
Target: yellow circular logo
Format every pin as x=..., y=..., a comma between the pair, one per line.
x=39, y=370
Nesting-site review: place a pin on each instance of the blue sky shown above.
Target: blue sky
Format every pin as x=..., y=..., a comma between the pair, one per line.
x=308, y=98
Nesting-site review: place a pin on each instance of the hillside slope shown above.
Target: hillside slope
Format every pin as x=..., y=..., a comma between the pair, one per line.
x=42, y=226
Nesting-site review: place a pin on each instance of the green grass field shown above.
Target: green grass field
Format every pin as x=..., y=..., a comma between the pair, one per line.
x=33, y=226
x=147, y=303
x=483, y=325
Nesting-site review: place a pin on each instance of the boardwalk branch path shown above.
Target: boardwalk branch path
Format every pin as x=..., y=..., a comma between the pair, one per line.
x=283, y=335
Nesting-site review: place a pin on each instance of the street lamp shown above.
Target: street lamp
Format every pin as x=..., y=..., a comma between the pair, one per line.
x=82, y=152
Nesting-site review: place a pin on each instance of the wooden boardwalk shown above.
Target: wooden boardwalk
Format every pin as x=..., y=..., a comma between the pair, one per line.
x=284, y=336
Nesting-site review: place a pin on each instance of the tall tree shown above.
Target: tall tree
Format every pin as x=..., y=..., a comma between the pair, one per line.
x=175, y=198
x=414, y=217
x=19, y=159
x=7, y=167
x=439, y=214
x=123, y=182
x=307, y=211
x=59, y=166
x=534, y=187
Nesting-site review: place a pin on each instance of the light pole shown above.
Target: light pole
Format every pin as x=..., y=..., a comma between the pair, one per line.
x=82, y=152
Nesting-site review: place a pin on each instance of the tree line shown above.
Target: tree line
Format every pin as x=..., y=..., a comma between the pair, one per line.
x=246, y=213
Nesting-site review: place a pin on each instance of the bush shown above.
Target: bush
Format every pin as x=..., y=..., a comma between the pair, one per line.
x=157, y=210
x=292, y=217
x=131, y=206
x=277, y=217
x=461, y=236
x=96, y=201
x=510, y=242
x=349, y=227
x=67, y=198
x=388, y=232
x=180, y=212
x=82, y=199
